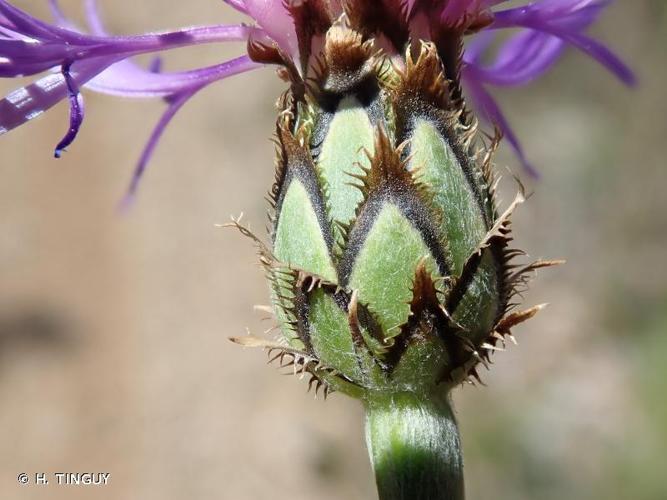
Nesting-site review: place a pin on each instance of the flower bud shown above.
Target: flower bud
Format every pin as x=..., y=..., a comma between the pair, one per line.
x=389, y=265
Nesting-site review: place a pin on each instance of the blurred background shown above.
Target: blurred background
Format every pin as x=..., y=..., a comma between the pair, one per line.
x=113, y=328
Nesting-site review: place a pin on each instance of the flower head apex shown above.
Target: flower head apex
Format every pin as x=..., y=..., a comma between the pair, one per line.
x=289, y=33
x=274, y=18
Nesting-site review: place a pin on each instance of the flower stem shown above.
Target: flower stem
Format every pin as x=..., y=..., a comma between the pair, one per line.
x=414, y=446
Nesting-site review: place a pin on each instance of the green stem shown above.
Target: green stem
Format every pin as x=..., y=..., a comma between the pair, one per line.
x=414, y=447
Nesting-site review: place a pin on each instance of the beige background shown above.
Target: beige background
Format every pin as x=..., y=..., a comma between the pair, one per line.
x=113, y=329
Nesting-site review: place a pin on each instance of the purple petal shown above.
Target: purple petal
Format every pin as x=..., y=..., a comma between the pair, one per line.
x=548, y=26
x=87, y=56
x=176, y=102
x=521, y=59
x=604, y=56
x=26, y=103
x=31, y=46
x=238, y=5
x=522, y=48
x=475, y=49
x=489, y=110
x=22, y=58
x=563, y=19
x=129, y=80
x=451, y=11
x=275, y=20
x=93, y=18
x=155, y=66
x=30, y=26
x=165, y=119
x=76, y=111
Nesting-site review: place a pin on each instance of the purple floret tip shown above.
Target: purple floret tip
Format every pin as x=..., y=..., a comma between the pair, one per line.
x=546, y=28
x=76, y=111
x=105, y=63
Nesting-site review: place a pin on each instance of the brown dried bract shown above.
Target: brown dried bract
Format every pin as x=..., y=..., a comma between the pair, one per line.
x=386, y=17
x=423, y=79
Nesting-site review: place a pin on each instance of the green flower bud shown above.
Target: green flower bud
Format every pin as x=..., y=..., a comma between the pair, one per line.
x=389, y=264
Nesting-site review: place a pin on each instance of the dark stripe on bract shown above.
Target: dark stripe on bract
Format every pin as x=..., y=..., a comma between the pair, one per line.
x=319, y=133
x=425, y=93
x=462, y=158
x=375, y=109
x=369, y=97
x=469, y=271
x=366, y=91
x=461, y=287
x=412, y=209
x=304, y=170
x=366, y=319
x=302, y=310
x=342, y=299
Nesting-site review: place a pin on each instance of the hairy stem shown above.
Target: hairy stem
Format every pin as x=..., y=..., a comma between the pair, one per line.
x=414, y=447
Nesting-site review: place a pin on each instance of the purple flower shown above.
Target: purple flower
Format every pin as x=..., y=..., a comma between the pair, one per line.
x=73, y=59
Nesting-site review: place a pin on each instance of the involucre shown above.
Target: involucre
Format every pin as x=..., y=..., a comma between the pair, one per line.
x=391, y=269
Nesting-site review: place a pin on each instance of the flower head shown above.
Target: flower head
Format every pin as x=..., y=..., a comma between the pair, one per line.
x=288, y=33
x=390, y=264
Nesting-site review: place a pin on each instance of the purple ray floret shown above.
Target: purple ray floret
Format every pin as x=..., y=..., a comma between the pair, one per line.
x=76, y=111
x=547, y=28
x=101, y=62
x=72, y=59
